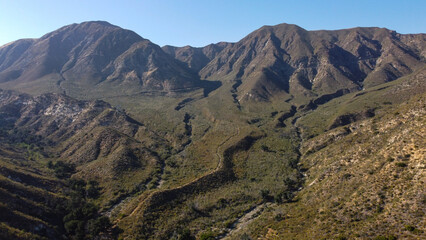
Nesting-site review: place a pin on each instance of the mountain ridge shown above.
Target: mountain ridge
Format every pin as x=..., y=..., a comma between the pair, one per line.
x=287, y=133
x=92, y=56
x=279, y=60
x=290, y=59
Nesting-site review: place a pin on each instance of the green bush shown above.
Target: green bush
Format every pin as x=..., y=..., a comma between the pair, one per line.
x=264, y=193
x=410, y=228
x=207, y=236
x=284, y=196
x=185, y=234
x=245, y=236
x=229, y=223
x=96, y=226
x=279, y=217
x=92, y=190
x=61, y=169
x=400, y=164
x=390, y=237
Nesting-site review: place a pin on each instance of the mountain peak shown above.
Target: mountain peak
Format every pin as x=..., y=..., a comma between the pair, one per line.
x=289, y=59
x=95, y=54
x=99, y=22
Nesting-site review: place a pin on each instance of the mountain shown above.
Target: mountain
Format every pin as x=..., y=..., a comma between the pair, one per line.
x=288, y=59
x=98, y=59
x=93, y=58
x=286, y=134
x=196, y=58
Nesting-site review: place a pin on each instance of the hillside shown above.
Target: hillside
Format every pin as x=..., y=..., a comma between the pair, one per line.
x=288, y=59
x=286, y=134
x=363, y=180
x=95, y=141
x=91, y=58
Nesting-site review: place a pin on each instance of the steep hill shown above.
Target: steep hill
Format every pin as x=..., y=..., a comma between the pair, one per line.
x=93, y=58
x=363, y=180
x=288, y=59
x=91, y=140
x=94, y=136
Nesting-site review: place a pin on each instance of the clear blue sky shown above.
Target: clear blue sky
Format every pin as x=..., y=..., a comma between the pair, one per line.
x=201, y=22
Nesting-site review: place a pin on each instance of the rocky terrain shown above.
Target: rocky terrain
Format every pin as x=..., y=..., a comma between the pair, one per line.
x=285, y=134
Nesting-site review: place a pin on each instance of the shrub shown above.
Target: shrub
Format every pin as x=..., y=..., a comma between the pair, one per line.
x=390, y=237
x=221, y=203
x=291, y=184
x=61, y=169
x=279, y=217
x=264, y=193
x=92, y=190
x=185, y=234
x=410, y=228
x=400, y=164
x=207, y=236
x=293, y=163
x=346, y=176
x=284, y=196
x=229, y=223
x=96, y=226
x=245, y=236
x=278, y=198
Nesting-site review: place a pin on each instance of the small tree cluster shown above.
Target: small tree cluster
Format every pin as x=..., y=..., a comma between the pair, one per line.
x=62, y=170
x=82, y=220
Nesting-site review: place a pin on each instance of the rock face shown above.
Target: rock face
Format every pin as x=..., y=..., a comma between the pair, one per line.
x=91, y=57
x=286, y=58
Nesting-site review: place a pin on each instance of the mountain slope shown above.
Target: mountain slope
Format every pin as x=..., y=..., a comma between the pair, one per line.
x=288, y=59
x=91, y=57
x=363, y=178
x=196, y=58
x=363, y=181
x=332, y=147
x=102, y=142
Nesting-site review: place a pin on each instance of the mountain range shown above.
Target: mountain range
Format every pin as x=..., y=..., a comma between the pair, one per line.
x=97, y=57
x=285, y=134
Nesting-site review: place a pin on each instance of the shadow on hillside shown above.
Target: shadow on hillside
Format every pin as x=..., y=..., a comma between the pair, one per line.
x=210, y=86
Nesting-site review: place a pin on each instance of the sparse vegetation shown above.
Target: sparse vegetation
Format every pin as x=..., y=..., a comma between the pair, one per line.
x=61, y=169
x=235, y=155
